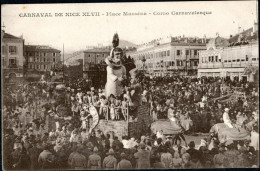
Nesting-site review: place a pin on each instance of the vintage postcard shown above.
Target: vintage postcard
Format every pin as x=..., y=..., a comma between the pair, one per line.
x=141, y=85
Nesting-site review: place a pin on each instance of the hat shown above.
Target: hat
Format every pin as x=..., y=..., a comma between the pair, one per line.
x=72, y=90
x=95, y=149
x=30, y=129
x=168, y=136
x=68, y=88
x=123, y=155
x=229, y=142
x=89, y=145
x=92, y=89
x=226, y=109
x=142, y=145
x=79, y=89
x=192, y=144
x=145, y=92
x=110, y=152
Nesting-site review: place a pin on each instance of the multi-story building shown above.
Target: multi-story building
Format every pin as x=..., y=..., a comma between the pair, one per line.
x=41, y=59
x=12, y=57
x=231, y=57
x=169, y=55
x=94, y=67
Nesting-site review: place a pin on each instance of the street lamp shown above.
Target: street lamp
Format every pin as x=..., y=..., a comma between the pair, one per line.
x=143, y=60
x=161, y=67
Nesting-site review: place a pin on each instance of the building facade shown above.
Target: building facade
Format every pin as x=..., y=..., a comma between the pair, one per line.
x=222, y=60
x=94, y=67
x=12, y=57
x=169, y=56
x=41, y=59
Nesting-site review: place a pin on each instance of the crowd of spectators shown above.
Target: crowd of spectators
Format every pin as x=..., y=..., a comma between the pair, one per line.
x=31, y=142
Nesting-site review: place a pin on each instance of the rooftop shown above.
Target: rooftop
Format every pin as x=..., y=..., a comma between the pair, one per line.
x=98, y=50
x=9, y=36
x=40, y=47
x=246, y=35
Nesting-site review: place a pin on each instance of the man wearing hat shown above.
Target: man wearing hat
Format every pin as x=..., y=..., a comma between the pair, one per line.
x=231, y=153
x=78, y=161
x=34, y=153
x=143, y=157
x=124, y=163
x=94, y=160
x=226, y=118
x=68, y=94
x=110, y=162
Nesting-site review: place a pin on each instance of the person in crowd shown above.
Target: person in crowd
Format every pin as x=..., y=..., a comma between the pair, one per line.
x=231, y=154
x=176, y=161
x=166, y=157
x=143, y=158
x=110, y=162
x=195, y=154
x=78, y=161
x=94, y=160
x=124, y=164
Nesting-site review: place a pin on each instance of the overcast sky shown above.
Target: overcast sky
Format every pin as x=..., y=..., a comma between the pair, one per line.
x=78, y=32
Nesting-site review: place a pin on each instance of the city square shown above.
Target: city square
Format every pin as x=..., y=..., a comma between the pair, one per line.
x=164, y=101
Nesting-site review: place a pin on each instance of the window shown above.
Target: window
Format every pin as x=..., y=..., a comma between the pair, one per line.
x=168, y=53
x=225, y=60
x=229, y=60
x=44, y=60
x=3, y=50
x=242, y=59
x=178, y=52
x=30, y=59
x=219, y=60
x=233, y=60
x=195, y=63
x=53, y=54
x=12, y=49
x=44, y=54
x=195, y=52
x=238, y=60
x=187, y=52
x=246, y=58
x=44, y=66
x=253, y=59
x=53, y=59
x=209, y=58
x=37, y=53
x=216, y=58
x=12, y=61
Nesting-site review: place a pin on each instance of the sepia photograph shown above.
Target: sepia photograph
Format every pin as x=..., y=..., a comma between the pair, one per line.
x=130, y=85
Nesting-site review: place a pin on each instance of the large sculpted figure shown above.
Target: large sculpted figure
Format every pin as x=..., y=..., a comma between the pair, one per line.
x=116, y=72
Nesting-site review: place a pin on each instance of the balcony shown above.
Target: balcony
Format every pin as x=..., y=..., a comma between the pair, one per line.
x=12, y=66
x=211, y=65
